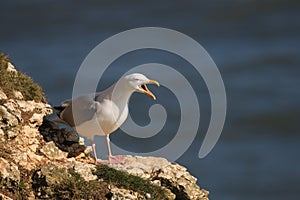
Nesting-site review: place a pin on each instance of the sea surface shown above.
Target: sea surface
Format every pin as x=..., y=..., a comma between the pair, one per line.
x=255, y=45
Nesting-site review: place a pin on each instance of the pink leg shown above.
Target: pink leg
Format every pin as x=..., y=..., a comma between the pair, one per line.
x=94, y=150
x=108, y=146
x=97, y=161
x=113, y=159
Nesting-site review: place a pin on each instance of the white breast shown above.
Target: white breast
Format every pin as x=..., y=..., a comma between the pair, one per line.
x=108, y=117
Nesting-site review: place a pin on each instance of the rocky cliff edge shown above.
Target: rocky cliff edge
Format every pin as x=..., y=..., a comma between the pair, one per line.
x=39, y=160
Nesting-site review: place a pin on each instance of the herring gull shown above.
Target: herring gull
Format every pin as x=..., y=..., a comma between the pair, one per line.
x=103, y=112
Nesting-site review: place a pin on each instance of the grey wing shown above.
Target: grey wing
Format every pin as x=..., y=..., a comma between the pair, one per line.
x=80, y=110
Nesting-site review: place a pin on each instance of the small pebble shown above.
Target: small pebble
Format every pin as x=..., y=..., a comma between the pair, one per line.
x=81, y=141
x=148, y=196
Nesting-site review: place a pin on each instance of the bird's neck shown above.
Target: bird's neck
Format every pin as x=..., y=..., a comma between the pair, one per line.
x=121, y=93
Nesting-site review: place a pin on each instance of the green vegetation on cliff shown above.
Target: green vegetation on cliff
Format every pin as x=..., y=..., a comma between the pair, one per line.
x=11, y=81
x=127, y=181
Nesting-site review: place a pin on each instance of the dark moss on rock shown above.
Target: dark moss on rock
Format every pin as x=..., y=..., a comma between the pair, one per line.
x=125, y=180
x=51, y=182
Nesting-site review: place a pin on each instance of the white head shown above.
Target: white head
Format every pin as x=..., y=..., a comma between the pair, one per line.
x=138, y=82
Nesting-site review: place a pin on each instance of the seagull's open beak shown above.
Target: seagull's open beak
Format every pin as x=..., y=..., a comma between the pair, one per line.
x=143, y=88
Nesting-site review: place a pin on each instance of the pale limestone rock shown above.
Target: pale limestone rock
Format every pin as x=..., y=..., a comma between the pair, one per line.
x=169, y=193
x=11, y=68
x=12, y=107
x=84, y=169
x=29, y=160
x=28, y=138
x=3, y=197
x=18, y=95
x=51, y=151
x=54, y=175
x=1, y=134
x=38, y=107
x=21, y=158
x=8, y=123
x=6, y=118
x=36, y=119
x=2, y=95
x=88, y=150
x=9, y=171
x=26, y=106
x=124, y=194
x=81, y=141
x=31, y=196
x=33, y=147
x=175, y=178
x=142, y=166
x=37, y=159
x=12, y=132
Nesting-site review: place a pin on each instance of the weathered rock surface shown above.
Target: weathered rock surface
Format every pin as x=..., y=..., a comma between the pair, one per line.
x=172, y=176
x=38, y=160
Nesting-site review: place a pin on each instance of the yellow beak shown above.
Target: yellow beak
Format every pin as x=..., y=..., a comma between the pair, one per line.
x=145, y=90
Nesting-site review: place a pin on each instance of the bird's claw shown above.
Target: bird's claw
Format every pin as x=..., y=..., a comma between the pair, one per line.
x=101, y=162
x=111, y=160
x=116, y=159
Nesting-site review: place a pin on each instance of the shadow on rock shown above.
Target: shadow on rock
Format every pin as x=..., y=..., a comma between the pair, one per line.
x=64, y=139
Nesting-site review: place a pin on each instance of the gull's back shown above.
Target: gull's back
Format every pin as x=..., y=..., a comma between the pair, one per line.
x=95, y=114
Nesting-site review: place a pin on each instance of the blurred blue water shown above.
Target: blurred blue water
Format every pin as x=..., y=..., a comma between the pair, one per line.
x=254, y=43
